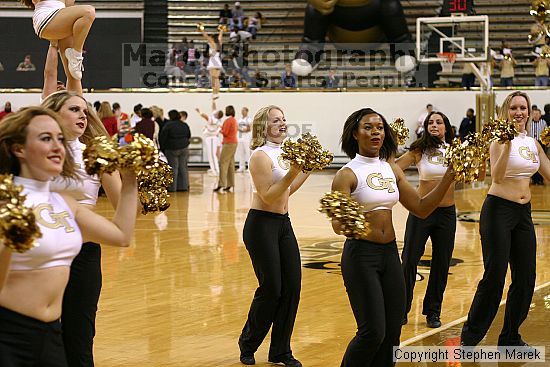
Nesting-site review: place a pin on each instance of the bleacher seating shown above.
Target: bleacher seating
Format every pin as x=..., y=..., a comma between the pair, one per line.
x=283, y=28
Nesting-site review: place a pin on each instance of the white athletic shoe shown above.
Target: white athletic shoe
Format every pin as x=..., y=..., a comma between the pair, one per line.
x=75, y=63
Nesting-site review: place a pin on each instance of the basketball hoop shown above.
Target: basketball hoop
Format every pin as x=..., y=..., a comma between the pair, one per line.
x=447, y=59
x=449, y=56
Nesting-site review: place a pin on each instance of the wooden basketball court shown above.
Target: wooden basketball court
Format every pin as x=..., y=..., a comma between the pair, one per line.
x=179, y=296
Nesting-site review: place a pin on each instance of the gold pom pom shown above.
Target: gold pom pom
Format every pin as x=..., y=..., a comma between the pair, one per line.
x=18, y=227
x=137, y=154
x=545, y=136
x=499, y=130
x=307, y=153
x=101, y=156
x=348, y=212
x=467, y=159
x=400, y=131
x=153, y=182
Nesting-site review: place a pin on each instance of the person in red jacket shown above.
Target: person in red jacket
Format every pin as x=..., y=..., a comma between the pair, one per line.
x=229, y=147
x=108, y=118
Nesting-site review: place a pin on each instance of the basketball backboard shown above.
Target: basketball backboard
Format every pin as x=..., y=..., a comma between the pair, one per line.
x=465, y=36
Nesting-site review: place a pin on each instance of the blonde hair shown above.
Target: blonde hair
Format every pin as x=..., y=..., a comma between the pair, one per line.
x=105, y=110
x=94, y=127
x=13, y=131
x=157, y=112
x=259, y=126
x=503, y=112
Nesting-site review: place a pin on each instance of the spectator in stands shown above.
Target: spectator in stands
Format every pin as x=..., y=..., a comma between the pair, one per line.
x=534, y=129
x=546, y=116
x=507, y=63
x=174, y=142
x=7, y=110
x=288, y=79
x=171, y=67
x=26, y=65
x=260, y=79
x=468, y=124
x=254, y=24
x=191, y=58
x=225, y=14
x=147, y=126
x=236, y=81
x=331, y=80
x=236, y=21
x=541, y=71
x=468, y=76
x=203, y=81
x=420, y=125
x=108, y=118
x=136, y=116
x=537, y=36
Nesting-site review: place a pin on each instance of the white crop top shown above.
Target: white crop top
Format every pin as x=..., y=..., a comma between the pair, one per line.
x=86, y=188
x=376, y=184
x=432, y=164
x=61, y=238
x=279, y=167
x=524, y=160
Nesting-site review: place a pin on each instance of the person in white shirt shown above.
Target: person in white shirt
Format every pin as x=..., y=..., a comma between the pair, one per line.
x=245, y=133
x=212, y=140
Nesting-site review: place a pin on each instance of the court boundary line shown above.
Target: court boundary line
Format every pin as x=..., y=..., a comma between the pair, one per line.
x=455, y=322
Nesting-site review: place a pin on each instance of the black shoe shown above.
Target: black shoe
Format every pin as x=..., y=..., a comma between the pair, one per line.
x=217, y=189
x=247, y=359
x=433, y=321
x=228, y=189
x=288, y=361
x=404, y=321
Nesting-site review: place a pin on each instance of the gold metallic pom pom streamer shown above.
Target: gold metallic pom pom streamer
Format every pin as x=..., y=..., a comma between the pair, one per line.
x=222, y=27
x=137, y=154
x=200, y=27
x=153, y=182
x=101, y=156
x=545, y=136
x=499, y=130
x=18, y=228
x=348, y=212
x=400, y=131
x=307, y=153
x=467, y=159
x=540, y=9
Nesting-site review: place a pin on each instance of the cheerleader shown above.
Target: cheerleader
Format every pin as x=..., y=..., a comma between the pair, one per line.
x=33, y=148
x=215, y=62
x=271, y=243
x=62, y=20
x=370, y=265
x=427, y=153
x=211, y=134
x=507, y=231
x=82, y=293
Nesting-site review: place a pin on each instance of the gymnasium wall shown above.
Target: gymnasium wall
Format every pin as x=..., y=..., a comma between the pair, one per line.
x=321, y=113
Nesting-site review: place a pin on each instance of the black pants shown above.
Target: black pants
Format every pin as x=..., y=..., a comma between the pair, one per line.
x=273, y=249
x=27, y=342
x=80, y=306
x=376, y=290
x=440, y=226
x=507, y=236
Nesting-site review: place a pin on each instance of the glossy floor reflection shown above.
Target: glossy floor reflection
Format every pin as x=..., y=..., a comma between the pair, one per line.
x=179, y=295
